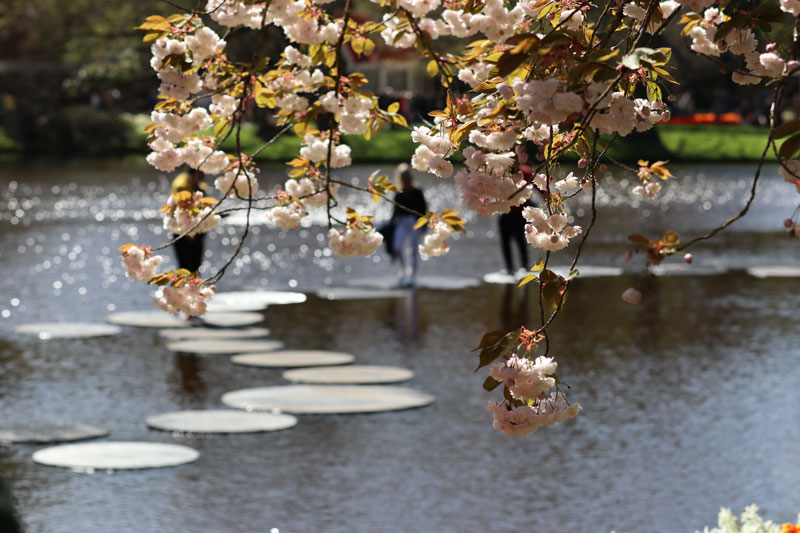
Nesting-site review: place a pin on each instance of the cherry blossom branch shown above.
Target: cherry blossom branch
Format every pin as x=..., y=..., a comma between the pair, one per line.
x=776, y=98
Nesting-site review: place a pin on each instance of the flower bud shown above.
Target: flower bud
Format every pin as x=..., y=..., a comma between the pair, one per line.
x=688, y=258
x=632, y=296
x=788, y=223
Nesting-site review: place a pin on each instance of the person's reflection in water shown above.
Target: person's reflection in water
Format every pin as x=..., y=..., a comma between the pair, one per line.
x=514, y=307
x=190, y=375
x=9, y=520
x=406, y=318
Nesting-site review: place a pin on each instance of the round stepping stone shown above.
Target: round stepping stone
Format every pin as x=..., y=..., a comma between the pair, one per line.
x=68, y=330
x=213, y=333
x=220, y=421
x=262, y=298
x=351, y=374
x=327, y=399
x=422, y=282
x=224, y=346
x=44, y=432
x=115, y=455
x=160, y=319
x=358, y=293
x=588, y=271
x=501, y=278
x=774, y=271
x=683, y=269
x=293, y=358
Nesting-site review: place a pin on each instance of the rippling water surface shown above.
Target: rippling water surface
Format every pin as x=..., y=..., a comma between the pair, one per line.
x=691, y=399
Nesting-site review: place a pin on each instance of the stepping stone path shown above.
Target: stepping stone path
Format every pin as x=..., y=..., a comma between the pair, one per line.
x=683, y=269
x=293, y=358
x=44, y=432
x=263, y=298
x=350, y=374
x=213, y=333
x=327, y=399
x=774, y=271
x=160, y=319
x=115, y=455
x=68, y=330
x=423, y=282
x=588, y=271
x=220, y=421
x=357, y=293
x=501, y=278
x=224, y=346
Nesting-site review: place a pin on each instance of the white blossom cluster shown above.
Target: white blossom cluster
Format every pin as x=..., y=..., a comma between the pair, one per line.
x=525, y=419
x=315, y=150
x=189, y=298
x=311, y=193
x=189, y=219
x=435, y=243
x=241, y=181
x=354, y=241
x=289, y=215
x=140, y=264
x=431, y=155
x=548, y=232
x=353, y=111
x=526, y=379
x=742, y=42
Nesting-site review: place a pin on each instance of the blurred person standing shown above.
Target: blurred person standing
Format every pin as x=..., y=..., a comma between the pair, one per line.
x=410, y=204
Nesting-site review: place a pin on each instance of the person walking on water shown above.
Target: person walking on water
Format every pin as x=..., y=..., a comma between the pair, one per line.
x=189, y=250
x=409, y=206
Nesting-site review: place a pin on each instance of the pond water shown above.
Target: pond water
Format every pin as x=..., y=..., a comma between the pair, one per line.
x=691, y=399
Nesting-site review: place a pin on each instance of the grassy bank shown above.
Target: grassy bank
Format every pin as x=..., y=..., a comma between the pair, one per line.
x=678, y=143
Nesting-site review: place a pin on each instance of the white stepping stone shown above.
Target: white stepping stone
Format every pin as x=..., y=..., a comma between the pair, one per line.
x=357, y=293
x=327, y=399
x=214, y=333
x=774, y=271
x=588, y=271
x=683, y=269
x=350, y=374
x=116, y=455
x=44, y=432
x=293, y=358
x=422, y=282
x=501, y=278
x=68, y=330
x=160, y=319
x=220, y=421
x=262, y=298
x=224, y=346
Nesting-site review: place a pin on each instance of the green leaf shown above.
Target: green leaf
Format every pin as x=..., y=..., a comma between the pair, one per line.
x=527, y=278
x=490, y=384
x=789, y=147
x=653, y=91
x=432, y=68
x=786, y=129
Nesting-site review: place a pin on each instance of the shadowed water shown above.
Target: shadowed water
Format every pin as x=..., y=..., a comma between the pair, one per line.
x=691, y=399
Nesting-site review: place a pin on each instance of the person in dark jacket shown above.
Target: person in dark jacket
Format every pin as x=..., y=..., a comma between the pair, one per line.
x=189, y=250
x=512, y=229
x=409, y=206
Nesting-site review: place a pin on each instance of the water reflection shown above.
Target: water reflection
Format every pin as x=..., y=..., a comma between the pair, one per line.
x=667, y=386
x=514, y=307
x=406, y=318
x=188, y=374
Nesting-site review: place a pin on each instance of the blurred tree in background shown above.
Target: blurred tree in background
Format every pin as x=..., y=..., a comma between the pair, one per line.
x=67, y=70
